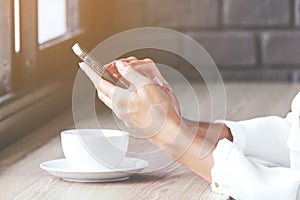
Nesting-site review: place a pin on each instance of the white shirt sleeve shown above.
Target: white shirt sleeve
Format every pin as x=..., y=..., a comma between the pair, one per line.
x=235, y=175
x=262, y=139
x=263, y=161
x=294, y=137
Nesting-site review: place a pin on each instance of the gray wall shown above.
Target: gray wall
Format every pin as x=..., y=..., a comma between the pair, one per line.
x=248, y=39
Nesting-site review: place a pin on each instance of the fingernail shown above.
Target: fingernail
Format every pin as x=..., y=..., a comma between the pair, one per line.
x=120, y=65
x=158, y=81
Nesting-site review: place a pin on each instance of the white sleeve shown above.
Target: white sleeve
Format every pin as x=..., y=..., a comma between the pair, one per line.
x=262, y=139
x=294, y=136
x=235, y=175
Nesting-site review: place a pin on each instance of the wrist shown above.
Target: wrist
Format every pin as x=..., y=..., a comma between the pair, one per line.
x=168, y=132
x=174, y=138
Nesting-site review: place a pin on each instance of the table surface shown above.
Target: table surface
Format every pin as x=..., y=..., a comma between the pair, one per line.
x=21, y=177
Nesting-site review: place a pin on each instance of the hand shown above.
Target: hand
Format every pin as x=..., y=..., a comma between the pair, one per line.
x=148, y=68
x=144, y=106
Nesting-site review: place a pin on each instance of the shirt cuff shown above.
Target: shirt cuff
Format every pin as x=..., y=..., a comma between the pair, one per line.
x=235, y=175
x=237, y=132
x=220, y=156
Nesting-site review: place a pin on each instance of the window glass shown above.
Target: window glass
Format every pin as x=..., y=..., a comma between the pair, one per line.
x=52, y=19
x=17, y=25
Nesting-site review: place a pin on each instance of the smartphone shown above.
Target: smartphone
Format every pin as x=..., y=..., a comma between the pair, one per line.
x=109, y=72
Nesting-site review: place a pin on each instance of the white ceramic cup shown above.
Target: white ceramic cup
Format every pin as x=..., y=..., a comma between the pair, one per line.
x=94, y=149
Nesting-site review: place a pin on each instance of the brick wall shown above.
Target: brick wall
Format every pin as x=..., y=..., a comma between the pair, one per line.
x=248, y=39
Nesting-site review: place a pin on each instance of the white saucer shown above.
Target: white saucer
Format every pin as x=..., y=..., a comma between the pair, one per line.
x=62, y=169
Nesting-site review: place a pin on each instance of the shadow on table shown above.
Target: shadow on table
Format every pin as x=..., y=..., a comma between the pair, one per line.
x=143, y=178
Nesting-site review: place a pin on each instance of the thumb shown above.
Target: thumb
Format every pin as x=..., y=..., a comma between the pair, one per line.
x=93, y=76
x=131, y=75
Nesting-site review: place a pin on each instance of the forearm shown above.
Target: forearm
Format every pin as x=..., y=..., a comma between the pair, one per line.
x=183, y=141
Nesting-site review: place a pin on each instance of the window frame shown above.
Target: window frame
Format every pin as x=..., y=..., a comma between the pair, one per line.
x=31, y=65
x=5, y=48
x=31, y=70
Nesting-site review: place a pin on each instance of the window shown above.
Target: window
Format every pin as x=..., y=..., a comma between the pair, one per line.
x=52, y=19
x=34, y=38
x=35, y=41
x=5, y=46
x=36, y=60
x=43, y=30
x=58, y=20
x=17, y=25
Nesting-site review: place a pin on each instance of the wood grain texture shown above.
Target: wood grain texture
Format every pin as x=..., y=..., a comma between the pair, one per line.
x=21, y=178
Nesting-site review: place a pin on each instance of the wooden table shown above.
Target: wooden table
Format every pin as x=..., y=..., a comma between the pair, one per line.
x=21, y=178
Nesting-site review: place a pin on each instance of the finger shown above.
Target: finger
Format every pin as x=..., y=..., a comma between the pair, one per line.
x=129, y=59
x=131, y=75
x=148, y=68
x=93, y=76
x=158, y=81
x=136, y=63
x=106, y=100
x=106, y=87
x=148, y=60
